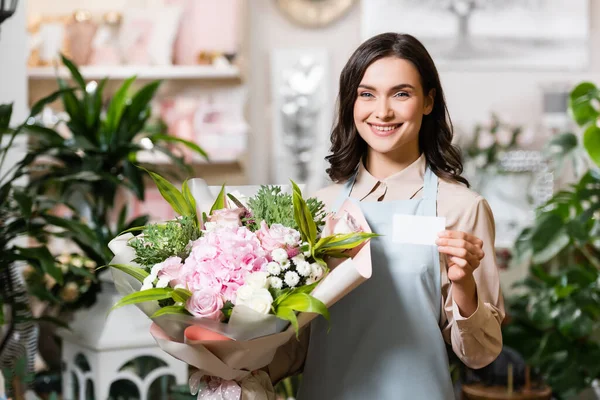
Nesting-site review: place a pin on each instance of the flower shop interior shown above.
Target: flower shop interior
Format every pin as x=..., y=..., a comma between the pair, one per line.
x=243, y=93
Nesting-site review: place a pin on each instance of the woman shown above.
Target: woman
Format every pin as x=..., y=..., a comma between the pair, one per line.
x=392, y=153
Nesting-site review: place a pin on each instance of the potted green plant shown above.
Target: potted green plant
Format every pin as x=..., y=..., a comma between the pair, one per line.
x=555, y=322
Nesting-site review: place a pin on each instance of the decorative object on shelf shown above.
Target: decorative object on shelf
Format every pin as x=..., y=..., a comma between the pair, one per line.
x=314, y=13
x=469, y=34
x=46, y=40
x=147, y=35
x=79, y=33
x=300, y=111
x=7, y=9
x=207, y=26
x=105, y=47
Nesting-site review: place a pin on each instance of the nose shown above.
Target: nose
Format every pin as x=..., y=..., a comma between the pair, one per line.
x=384, y=111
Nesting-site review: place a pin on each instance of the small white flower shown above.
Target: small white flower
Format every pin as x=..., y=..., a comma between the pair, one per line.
x=310, y=280
x=90, y=264
x=257, y=280
x=317, y=270
x=244, y=293
x=291, y=279
x=273, y=268
x=285, y=264
x=148, y=282
x=279, y=255
x=290, y=240
x=162, y=283
x=298, y=259
x=276, y=283
x=76, y=262
x=156, y=269
x=304, y=268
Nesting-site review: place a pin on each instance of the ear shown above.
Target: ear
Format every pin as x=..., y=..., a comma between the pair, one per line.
x=429, y=102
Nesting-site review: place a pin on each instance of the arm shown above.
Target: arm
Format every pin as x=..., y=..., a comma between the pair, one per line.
x=473, y=303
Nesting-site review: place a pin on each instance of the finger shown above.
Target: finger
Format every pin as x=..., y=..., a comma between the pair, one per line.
x=470, y=247
x=460, y=253
x=461, y=235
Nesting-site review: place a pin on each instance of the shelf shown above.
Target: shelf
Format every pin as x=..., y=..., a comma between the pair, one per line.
x=158, y=158
x=192, y=72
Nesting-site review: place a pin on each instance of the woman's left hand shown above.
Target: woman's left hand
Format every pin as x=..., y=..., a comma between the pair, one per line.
x=464, y=251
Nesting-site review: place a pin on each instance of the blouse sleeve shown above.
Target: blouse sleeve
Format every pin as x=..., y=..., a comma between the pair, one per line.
x=477, y=340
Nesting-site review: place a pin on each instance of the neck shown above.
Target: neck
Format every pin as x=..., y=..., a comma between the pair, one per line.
x=383, y=165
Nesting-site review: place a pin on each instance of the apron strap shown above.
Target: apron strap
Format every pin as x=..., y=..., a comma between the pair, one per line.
x=430, y=185
x=344, y=193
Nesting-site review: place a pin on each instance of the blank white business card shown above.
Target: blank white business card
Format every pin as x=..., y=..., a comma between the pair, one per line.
x=415, y=229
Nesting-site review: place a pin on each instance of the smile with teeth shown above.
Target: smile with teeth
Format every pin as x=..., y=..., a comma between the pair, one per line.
x=385, y=128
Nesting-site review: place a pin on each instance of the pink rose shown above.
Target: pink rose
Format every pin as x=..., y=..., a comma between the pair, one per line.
x=343, y=224
x=277, y=236
x=227, y=216
x=172, y=269
x=206, y=303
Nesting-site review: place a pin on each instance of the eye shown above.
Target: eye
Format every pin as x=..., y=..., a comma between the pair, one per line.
x=402, y=94
x=366, y=94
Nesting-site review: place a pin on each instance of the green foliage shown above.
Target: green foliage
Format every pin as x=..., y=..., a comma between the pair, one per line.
x=584, y=107
x=161, y=241
x=555, y=325
x=275, y=207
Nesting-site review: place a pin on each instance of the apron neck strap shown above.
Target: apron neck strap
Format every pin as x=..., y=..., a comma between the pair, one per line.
x=430, y=185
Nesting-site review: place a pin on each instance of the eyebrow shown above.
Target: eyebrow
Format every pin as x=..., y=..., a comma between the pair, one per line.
x=397, y=87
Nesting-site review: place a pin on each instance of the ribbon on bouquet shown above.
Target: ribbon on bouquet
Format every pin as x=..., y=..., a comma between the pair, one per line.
x=256, y=386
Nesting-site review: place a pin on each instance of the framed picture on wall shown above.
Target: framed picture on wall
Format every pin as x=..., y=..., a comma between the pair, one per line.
x=498, y=34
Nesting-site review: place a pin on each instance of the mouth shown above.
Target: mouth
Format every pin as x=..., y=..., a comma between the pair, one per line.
x=384, y=130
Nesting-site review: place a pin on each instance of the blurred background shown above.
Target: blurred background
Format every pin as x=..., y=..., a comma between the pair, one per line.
x=243, y=92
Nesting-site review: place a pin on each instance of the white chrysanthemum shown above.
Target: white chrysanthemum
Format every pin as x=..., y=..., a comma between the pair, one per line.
x=291, y=278
x=285, y=264
x=273, y=268
x=276, y=283
x=316, y=271
x=279, y=255
x=298, y=259
x=304, y=268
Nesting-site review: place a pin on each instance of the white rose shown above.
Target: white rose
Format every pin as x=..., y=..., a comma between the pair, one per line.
x=291, y=279
x=279, y=255
x=504, y=136
x=273, y=268
x=276, y=283
x=257, y=280
x=244, y=294
x=163, y=282
x=260, y=301
x=304, y=268
x=317, y=270
x=148, y=282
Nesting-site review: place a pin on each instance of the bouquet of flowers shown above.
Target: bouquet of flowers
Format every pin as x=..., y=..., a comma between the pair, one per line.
x=227, y=287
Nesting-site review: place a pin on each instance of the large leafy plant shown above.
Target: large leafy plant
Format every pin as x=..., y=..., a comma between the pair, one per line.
x=86, y=170
x=555, y=323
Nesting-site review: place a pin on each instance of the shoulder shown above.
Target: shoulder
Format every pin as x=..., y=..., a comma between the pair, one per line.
x=329, y=194
x=463, y=207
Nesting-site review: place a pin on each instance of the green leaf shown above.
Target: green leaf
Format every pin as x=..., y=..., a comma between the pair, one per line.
x=144, y=296
x=172, y=195
x=591, y=142
x=191, y=145
x=74, y=71
x=5, y=114
x=181, y=295
x=220, y=202
x=115, y=110
x=303, y=217
x=342, y=241
x=136, y=179
x=300, y=302
x=580, y=105
x=48, y=135
x=25, y=202
x=235, y=201
x=40, y=104
x=187, y=195
x=548, y=237
x=288, y=314
x=170, y=310
x=45, y=259
x=138, y=273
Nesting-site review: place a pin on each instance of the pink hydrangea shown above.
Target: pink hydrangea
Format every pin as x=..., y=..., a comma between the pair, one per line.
x=171, y=269
x=221, y=259
x=277, y=237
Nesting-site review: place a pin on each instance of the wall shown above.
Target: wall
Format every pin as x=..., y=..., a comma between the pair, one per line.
x=13, y=81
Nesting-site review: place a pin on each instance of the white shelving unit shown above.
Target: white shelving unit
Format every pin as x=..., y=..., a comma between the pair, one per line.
x=200, y=72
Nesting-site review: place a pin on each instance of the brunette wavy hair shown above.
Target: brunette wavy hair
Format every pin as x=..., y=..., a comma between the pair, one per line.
x=435, y=136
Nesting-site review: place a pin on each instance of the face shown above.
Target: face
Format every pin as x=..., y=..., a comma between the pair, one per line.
x=390, y=106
